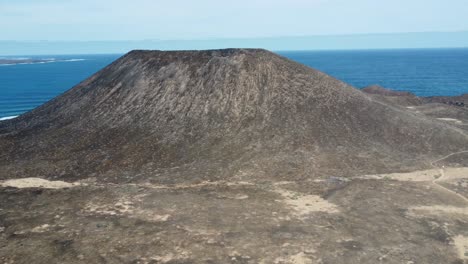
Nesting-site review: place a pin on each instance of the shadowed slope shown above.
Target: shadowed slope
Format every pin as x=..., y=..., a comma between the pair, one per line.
x=193, y=115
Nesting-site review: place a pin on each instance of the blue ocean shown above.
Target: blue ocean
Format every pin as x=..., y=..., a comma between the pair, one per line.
x=425, y=72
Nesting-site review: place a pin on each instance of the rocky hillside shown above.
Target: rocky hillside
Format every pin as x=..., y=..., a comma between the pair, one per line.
x=232, y=156
x=196, y=115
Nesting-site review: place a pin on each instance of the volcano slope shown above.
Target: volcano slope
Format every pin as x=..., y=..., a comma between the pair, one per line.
x=229, y=156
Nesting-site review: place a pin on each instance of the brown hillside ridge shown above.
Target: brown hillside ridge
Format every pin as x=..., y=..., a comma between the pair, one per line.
x=232, y=156
x=460, y=101
x=377, y=89
x=393, y=97
x=450, y=109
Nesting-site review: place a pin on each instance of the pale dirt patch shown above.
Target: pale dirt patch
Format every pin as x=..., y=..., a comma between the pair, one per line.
x=306, y=204
x=125, y=207
x=189, y=186
x=280, y=183
x=38, y=229
x=461, y=244
x=414, y=176
x=179, y=256
x=41, y=229
x=450, y=120
x=456, y=173
x=438, y=209
x=37, y=183
x=300, y=258
x=234, y=197
x=208, y=233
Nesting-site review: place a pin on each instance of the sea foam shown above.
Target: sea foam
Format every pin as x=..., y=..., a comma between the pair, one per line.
x=7, y=118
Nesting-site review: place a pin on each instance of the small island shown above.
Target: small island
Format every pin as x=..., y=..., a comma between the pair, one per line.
x=14, y=61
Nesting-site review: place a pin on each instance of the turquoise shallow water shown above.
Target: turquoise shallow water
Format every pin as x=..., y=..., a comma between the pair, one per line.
x=423, y=72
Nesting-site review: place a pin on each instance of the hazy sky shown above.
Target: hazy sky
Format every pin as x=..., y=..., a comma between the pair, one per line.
x=198, y=19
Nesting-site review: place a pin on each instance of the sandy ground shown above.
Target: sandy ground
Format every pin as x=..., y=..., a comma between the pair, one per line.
x=450, y=119
x=37, y=183
x=306, y=204
x=456, y=173
x=423, y=175
x=439, y=210
x=390, y=218
x=461, y=243
x=416, y=176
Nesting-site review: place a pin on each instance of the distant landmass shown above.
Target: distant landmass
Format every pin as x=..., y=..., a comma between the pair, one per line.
x=15, y=61
x=319, y=42
x=23, y=61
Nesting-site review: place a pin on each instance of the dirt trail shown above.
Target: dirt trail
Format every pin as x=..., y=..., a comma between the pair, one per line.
x=448, y=156
x=442, y=176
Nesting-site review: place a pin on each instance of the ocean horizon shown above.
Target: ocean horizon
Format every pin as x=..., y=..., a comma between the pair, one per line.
x=424, y=72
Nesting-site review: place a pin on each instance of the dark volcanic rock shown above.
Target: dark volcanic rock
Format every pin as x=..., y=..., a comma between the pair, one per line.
x=460, y=101
x=450, y=109
x=376, y=89
x=231, y=156
x=193, y=115
x=392, y=97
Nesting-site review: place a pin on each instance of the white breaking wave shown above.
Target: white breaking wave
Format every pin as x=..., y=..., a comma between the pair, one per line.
x=75, y=60
x=7, y=118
